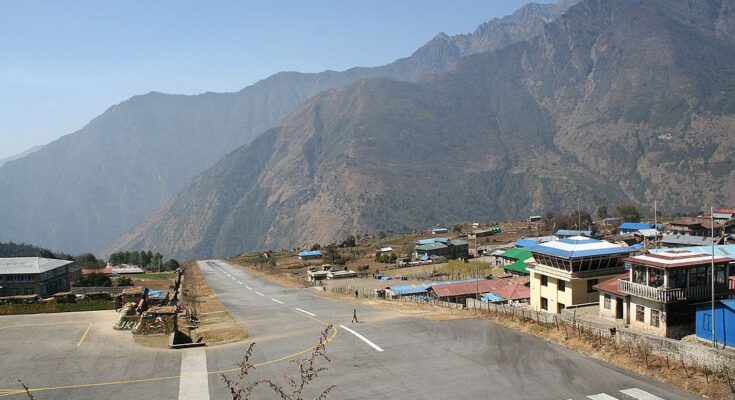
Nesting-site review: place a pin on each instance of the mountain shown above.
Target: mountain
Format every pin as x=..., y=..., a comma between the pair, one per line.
x=615, y=101
x=88, y=188
x=21, y=155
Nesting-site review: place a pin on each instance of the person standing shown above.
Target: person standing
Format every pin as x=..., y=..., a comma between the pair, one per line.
x=354, y=316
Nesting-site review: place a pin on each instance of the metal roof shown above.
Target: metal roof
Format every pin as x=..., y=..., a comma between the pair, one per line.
x=517, y=253
x=634, y=226
x=30, y=265
x=726, y=250
x=688, y=240
x=573, y=232
x=611, y=285
x=430, y=246
x=458, y=242
x=472, y=286
x=518, y=266
x=310, y=253
x=677, y=258
x=578, y=246
x=526, y=243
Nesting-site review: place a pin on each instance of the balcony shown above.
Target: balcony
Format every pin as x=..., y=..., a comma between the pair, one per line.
x=668, y=295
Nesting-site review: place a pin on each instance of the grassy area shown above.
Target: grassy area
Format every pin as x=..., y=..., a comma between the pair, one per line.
x=152, y=276
x=85, y=305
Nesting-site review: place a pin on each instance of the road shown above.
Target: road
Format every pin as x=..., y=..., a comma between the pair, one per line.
x=387, y=355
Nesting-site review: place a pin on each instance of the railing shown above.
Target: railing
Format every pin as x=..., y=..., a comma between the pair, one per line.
x=665, y=295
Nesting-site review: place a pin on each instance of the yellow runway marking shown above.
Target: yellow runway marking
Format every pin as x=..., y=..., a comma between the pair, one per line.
x=46, y=324
x=85, y=335
x=11, y=392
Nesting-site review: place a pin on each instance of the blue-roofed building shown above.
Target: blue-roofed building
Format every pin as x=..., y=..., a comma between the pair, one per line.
x=564, y=271
x=567, y=233
x=440, y=230
x=310, y=255
x=526, y=243
x=629, y=228
x=724, y=322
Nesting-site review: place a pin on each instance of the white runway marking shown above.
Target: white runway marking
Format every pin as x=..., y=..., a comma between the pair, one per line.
x=277, y=301
x=239, y=282
x=363, y=338
x=260, y=294
x=602, y=396
x=194, y=381
x=249, y=288
x=305, y=312
x=640, y=394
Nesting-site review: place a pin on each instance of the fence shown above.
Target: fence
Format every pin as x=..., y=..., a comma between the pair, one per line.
x=694, y=355
x=99, y=289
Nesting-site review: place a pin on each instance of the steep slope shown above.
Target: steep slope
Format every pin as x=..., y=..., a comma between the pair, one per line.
x=86, y=189
x=20, y=155
x=610, y=103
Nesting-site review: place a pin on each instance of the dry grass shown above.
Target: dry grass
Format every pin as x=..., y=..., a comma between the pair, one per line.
x=216, y=325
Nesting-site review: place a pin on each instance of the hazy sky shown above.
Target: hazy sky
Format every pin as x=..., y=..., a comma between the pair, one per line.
x=64, y=62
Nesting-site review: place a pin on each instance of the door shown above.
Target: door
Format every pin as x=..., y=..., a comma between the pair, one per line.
x=618, y=308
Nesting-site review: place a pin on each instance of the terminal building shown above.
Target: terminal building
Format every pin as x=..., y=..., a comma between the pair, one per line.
x=33, y=275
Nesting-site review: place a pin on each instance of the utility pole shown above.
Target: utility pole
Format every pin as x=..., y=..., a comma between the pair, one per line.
x=712, y=225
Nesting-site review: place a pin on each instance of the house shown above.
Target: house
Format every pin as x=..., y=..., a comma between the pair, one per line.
x=459, y=292
x=93, y=271
x=629, y=228
x=564, y=271
x=724, y=322
x=442, y=247
x=662, y=287
x=484, y=232
x=611, y=299
x=694, y=227
x=310, y=255
x=127, y=269
x=672, y=241
x=723, y=214
x=384, y=250
x=438, y=231
x=514, y=260
x=342, y=274
x=33, y=275
x=567, y=233
x=534, y=218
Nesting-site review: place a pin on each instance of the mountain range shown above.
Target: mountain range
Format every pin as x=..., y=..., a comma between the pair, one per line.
x=86, y=189
x=613, y=101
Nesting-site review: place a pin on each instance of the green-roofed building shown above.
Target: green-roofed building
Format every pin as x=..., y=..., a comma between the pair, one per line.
x=514, y=260
x=454, y=248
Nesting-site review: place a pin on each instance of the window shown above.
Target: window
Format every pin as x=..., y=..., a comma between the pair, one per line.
x=544, y=303
x=607, y=302
x=655, y=277
x=720, y=274
x=639, y=274
x=699, y=277
x=544, y=281
x=640, y=313
x=560, y=307
x=678, y=278
x=562, y=285
x=655, y=315
x=590, y=283
x=28, y=291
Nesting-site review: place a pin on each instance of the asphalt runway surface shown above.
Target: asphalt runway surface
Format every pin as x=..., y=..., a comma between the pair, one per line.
x=387, y=354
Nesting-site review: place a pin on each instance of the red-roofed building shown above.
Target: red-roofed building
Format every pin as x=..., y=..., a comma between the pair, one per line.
x=91, y=271
x=459, y=292
x=661, y=288
x=611, y=299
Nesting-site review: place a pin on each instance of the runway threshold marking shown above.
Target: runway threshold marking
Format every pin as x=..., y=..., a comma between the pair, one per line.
x=602, y=396
x=363, y=338
x=84, y=335
x=277, y=301
x=640, y=394
x=304, y=311
x=194, y=381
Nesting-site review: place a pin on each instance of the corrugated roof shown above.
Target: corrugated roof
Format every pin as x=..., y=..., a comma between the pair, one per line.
x=458, y=242
x=30, y=265
x=572, y=232
x=513, y=292
x=688, y=240
x=310, y=253
x=578, y=246
x=723, y=250
x=471, y=287
x=526, y=243
x=430, y=246
x=518, y=266
x=677, y=258
x=611, y=285
x=634, y=226
x=517, y=253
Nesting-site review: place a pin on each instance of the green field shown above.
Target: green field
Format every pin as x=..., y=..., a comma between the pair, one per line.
x=84, y=305
x=152, y=275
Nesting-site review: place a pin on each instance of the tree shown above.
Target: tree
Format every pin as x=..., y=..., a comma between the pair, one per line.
x=602, y=212
x=125, y=281
x=309, y=370
x=94, y=280
x=628, y=212
x=170, y=265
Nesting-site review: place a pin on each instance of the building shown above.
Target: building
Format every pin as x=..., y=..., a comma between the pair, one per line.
x=530, y=242
x=33, y=275
x=442, y=247
x=612, y=301
x=459, y=292
x=723, y=214
x=310, y=255
x=438, y=231
x=567, y=233
x=694, y=227
x=514, y=260
x=629, y=228
x=564, y=271
x=661, y=289
x=673, y=241
x=724, y=322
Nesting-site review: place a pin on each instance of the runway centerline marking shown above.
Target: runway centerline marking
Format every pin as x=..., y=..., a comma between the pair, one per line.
x=304, y=311
x=260, y=294
x=85, y=335
x=249, y=288
x=277, y=301
x=239, y=282
x=602, y=396
x=363, y=338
